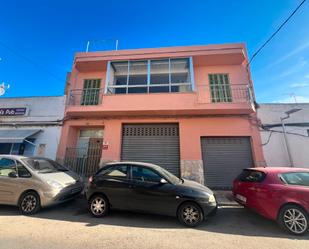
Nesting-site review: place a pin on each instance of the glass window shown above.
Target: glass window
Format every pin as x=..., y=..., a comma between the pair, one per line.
x=43, y=165
x=119, y=76
x=22, y=171
x=159, y=72
x=7, y=166
x=154, y=76
x=251, y=176
x=119, y=171
x=296, y=178
x=145, y=174
x=97, y=133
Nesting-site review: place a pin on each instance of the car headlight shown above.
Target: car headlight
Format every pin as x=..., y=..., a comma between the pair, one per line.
x=55, y=184
x=212, y=199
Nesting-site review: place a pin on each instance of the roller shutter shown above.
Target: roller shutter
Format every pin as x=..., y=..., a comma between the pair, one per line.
x=152, y=143
x=224, y=158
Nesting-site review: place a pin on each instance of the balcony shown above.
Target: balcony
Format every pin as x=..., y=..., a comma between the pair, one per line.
x=205, y=100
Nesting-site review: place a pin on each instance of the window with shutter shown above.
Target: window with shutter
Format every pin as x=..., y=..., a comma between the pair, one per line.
x=91, y=92
x=220, y=88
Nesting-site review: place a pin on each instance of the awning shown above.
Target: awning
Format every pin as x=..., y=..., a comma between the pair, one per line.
x=16, y=136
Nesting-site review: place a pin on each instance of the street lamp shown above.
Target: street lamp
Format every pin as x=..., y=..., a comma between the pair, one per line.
x=288, y=113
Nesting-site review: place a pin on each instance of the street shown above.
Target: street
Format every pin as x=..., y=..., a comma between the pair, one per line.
x=71, y=226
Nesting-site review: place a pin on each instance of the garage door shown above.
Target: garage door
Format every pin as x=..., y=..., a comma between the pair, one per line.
x=224, y=158
x=152, y=143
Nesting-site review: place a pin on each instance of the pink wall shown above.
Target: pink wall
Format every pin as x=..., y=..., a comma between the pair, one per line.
x=191, y=130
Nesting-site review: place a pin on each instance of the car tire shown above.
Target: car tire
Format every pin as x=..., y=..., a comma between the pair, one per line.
x=190, y=214
x=294, y=219
x=29, y=203
x=99, y=205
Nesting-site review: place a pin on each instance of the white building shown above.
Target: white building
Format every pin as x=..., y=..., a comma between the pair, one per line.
x=297, y=134
x=31, y=126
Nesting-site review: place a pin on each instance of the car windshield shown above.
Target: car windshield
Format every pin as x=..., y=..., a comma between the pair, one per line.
x=296, y=178
x=43, y=165
x=169, y=176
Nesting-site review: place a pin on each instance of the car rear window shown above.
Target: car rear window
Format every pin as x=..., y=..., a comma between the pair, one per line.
x=249, y=175
x=296, y=178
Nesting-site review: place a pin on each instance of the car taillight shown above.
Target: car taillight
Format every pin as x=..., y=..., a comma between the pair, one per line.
x=90, y=179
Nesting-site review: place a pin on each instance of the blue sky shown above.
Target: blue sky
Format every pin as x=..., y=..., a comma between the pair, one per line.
x=41, y=37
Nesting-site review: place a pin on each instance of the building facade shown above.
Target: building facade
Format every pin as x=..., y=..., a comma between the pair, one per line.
x=189, y=109
x=31, y=126
x=297, y=134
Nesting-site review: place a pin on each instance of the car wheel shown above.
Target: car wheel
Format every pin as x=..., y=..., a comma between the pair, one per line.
x=29, y=203
x=294, y=219
x=99, y=206
x=190, y=214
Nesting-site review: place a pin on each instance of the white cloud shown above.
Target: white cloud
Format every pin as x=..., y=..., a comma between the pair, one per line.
x=299, y=85
x=294, y=69
x=290, y=54
x=293, y=99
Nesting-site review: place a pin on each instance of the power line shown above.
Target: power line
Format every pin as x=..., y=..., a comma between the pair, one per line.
x=38, y=66
x=274, y=34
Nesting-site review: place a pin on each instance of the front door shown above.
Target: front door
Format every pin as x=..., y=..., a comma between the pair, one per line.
x=148, y=194
x=7, y=183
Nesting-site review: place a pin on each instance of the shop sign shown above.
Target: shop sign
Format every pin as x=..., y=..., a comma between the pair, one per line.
x=21, y=111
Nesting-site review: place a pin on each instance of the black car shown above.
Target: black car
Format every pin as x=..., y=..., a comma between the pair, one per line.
x=145, y=187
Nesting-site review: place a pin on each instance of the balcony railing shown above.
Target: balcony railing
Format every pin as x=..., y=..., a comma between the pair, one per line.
x=227, y=93
x=90, y=96
x=214, y=93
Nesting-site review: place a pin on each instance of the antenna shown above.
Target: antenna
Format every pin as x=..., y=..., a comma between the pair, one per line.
x=93, y=42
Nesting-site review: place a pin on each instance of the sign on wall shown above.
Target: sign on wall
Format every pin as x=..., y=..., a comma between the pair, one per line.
x=13, y=111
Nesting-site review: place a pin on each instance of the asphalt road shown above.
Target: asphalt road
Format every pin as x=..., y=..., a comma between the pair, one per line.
x=71, y=226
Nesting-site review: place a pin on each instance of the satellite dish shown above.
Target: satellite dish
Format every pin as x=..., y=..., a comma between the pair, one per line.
x=2, y=90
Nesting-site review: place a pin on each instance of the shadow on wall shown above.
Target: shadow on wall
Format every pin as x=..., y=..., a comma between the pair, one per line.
x=229, y=220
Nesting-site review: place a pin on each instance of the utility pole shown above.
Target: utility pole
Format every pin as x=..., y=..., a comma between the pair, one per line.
x=285, y=134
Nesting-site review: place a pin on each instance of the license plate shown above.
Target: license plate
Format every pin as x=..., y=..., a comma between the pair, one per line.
x=241, y=198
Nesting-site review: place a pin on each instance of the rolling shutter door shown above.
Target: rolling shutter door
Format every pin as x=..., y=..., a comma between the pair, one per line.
x=152, y=143
x=224, y=158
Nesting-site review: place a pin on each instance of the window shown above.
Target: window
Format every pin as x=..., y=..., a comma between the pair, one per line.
x=220, y=88
x=118, y=171
x=145, y=174
x=296, y=178
x=91, y=92
x=44, y=166
x=252, y=176
x=150, y=76
x=138, y=75
x=22, y=171
x=7, y=166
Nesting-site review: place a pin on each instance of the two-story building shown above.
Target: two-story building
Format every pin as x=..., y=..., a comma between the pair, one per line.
x=189, y=109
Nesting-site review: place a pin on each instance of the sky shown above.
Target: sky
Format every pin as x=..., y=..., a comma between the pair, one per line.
x=38, y=39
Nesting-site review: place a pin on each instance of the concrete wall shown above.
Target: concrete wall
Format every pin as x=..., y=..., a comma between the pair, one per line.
x=43, y=113
x=275, y=151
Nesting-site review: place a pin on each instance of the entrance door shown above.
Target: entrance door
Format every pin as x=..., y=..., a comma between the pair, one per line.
x=224, y=158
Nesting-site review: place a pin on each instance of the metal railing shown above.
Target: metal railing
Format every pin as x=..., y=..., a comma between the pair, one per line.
x=90, y=96
x=84, y=161
x=230, y=93
x=217, y=93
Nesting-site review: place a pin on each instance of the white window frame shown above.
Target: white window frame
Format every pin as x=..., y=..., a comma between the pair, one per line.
x=148, y=85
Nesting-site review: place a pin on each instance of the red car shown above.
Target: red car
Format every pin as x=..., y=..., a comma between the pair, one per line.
x=280, y=194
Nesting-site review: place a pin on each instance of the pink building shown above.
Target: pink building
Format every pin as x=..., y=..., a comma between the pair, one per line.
x=189, y=109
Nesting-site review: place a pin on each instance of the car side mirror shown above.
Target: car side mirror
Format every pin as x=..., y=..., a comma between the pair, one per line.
x=163, y=181
x=12, y=174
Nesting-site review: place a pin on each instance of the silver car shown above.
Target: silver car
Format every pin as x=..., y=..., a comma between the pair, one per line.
x=32, y=182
